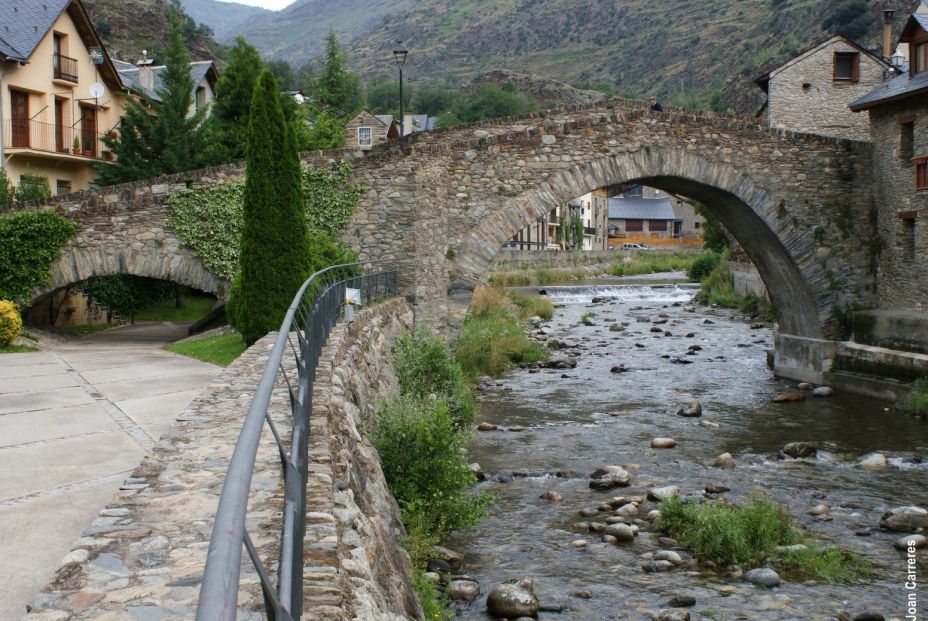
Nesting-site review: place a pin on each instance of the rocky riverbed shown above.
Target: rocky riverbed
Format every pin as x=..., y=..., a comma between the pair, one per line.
x=648, y=396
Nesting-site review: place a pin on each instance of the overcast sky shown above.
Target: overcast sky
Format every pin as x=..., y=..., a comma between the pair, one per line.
x=267, y=4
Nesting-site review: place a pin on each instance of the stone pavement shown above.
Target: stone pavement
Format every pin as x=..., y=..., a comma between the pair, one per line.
x=74, y=422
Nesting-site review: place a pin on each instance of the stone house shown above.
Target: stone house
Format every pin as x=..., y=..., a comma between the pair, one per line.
x=366, y=130
x=59, y=93
x=634, y=219
x=145, y=78
x=810, y=93
x=898, y=118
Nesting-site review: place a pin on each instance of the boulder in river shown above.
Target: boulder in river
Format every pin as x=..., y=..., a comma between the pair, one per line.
x=610, y=477
x=619, y=368
x=551, y=497
x=869, y=615
x=668, y=555
x=905, y=519
x=873, y=461
x=462, y=590
x=622, y=532
x=658, y=494
x=663, y=443
x=657, y=566
x=487, y=427
x=561, y=362
x=616, y=328
x=509, y=601
x=916, y=542
x=798, y=450
x=789, y=397
x=763, y=577
x=725, y=460
x=692, y=410
x=823, y=391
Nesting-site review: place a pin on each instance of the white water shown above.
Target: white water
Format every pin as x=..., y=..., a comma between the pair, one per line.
x=624, y=293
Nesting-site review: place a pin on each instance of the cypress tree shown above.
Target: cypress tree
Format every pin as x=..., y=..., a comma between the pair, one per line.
x=275, y=252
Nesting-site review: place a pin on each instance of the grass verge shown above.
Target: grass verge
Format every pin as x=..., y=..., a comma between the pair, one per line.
x=749, y=536
x=194, y=307
x=632, y=265
x=493, y=338
x=220, y=350
x=17, y=349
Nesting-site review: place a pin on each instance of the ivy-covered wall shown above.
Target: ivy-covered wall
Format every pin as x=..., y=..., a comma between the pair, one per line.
x=29, y=242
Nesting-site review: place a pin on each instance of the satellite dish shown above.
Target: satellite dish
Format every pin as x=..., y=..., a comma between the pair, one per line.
x=96, y=90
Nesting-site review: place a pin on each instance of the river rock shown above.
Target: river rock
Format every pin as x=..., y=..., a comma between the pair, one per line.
x=610, y=539
x=478, y=471
x=716, y=489
x=551, y=497
x=627, y=511
x=659, y=494
x=798, y=450
x=692, y=410
x=610, y=477
x=681, y=601
x=820, y=509
x=622, y=532
x=619, y=368
x=560, y=362
x=487, y=427
x=869, y=615
x=905, y=519
x=789, y=397
x=616, y=328
x=668, y=555
x=673, y=615
x=763, y=577
x=873, y=461
x=823, y=391
x=509, y=601
x=439, y=566
x=462, y=590
x=910, y=541
x=657, y=566
x=578, y=543
x=663, y=443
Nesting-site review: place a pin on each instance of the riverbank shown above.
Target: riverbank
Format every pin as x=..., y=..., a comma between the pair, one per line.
x=611, y=408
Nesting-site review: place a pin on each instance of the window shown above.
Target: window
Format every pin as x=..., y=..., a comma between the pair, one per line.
x=907, y=140
x=63, y=186
x=920, y=58
x=657, y=225
x=634, y=192
x=921, y=173
x=634, y=226
x=906, y=235
x=200, y=99
x=365, y=136
x=697, y=225
x=847, y=66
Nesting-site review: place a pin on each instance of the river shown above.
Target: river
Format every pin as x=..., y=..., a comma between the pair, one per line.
x=579, y=419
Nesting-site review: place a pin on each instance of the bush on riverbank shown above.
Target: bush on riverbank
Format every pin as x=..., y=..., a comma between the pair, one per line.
x=916, y=403
x=633, y=265
x=493, y=338
x=718, y=288
x=703, y=266
x=424, y=366
x=749, y=535
x=653, y=263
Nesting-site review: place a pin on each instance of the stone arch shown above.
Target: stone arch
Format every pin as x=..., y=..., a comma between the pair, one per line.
x=164, y=260
x=783, y=254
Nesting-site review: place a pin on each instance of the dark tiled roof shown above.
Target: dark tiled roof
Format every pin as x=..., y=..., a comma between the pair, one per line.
x=7, y=51
x=129, y=74
x=900, y=87
x=641, y=209
x=25, y=22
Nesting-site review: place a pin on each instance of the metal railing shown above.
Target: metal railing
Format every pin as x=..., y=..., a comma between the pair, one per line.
x=65, y=67
x=53, y=138
x=316, y=308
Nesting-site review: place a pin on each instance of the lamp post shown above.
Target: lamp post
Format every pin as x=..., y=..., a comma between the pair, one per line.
x=399, y=55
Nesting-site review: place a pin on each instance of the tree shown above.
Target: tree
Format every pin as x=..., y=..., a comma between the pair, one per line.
x=283, y=71
x=158, y=139
x=336, y=87
x=275, y=250
x=489, y=101
x=384, y=97
x=227, y=127
x=434, y=100
x=714, y=236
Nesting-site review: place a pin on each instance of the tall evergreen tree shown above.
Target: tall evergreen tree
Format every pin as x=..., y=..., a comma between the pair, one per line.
x=158, y=138
x=227, y=128
x=336, y=88
x=275, y=249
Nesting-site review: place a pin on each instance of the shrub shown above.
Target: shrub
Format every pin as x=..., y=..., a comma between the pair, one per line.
x=11, y=325
x=703, y=266
x=422, y=456
x=424, y=367
x=917, y=401
x=718, y=288
x=29, y=242
x=532, y=305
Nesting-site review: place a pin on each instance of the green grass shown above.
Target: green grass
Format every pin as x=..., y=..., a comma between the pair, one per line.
x=653, y=263
x=195, y=307
x=635, y=265
x=748, y=535
x=917, y=401
x=220, y=350
x=718, y=288
x=16, y=349
x=532, y=305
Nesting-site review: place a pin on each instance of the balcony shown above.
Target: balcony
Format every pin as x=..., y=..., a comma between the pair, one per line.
x=55, y=140
x=589, y=230
x=65, y=68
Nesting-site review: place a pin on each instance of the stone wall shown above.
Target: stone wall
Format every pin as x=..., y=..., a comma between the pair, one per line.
x=143, y=557
x=805, y=97
x=902, y=218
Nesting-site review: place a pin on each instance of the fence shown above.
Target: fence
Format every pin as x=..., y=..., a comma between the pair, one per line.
x=317, y=307
x=53, y=138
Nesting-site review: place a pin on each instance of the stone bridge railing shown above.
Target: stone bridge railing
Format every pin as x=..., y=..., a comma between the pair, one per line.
x=143, y=557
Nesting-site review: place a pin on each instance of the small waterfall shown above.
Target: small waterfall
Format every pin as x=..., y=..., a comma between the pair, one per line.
x=584, y=294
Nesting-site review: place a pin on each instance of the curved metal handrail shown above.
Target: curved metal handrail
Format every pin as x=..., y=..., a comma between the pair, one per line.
x=316, y=308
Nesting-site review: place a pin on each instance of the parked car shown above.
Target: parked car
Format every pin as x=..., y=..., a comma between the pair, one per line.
x=637, y=247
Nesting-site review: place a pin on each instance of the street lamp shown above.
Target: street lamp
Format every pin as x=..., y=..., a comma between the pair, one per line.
x=400, y=57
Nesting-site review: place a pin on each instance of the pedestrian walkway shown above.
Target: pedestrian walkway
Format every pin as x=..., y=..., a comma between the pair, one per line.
x=73, y=423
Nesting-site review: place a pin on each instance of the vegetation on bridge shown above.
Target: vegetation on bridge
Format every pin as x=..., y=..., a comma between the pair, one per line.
x=30, y=241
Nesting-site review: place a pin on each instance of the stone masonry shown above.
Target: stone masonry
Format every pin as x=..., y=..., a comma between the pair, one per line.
x=801, y=205
x=143, y=557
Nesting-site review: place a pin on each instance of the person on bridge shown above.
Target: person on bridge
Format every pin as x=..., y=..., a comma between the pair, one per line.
x=655, y=105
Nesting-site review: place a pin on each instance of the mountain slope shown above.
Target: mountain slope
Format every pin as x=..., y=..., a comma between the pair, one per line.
x=226, y=19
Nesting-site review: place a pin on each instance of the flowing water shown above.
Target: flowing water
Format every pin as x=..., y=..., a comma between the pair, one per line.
x=579, y=419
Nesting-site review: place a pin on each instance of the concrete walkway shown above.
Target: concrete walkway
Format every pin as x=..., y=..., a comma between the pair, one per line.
x=73, y=423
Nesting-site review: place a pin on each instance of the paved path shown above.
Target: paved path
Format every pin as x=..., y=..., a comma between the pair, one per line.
x=73, y=423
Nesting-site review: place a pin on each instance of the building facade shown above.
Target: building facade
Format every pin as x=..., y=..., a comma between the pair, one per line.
x=898, y=118
x=366, y=130
x=810, y=93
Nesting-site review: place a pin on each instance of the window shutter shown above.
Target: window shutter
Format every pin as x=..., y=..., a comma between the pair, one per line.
x=855, y=68
x=834, y=67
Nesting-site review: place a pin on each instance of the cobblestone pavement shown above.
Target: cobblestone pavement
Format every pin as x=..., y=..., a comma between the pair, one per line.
x=74, y=422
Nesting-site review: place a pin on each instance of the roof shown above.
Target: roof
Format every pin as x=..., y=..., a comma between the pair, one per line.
x=25, y=23
x=129, y=74
x=763, y=80
x=418, y=123
x=641, y=209
x=386, y=119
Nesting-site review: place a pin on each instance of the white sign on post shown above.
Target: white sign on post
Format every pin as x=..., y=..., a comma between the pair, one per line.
x=353, y=296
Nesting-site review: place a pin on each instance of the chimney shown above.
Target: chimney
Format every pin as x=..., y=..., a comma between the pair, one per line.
x=146, y=74
x=888, y=33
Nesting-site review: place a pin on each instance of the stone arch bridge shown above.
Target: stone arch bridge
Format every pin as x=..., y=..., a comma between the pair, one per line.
x=446, y=202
